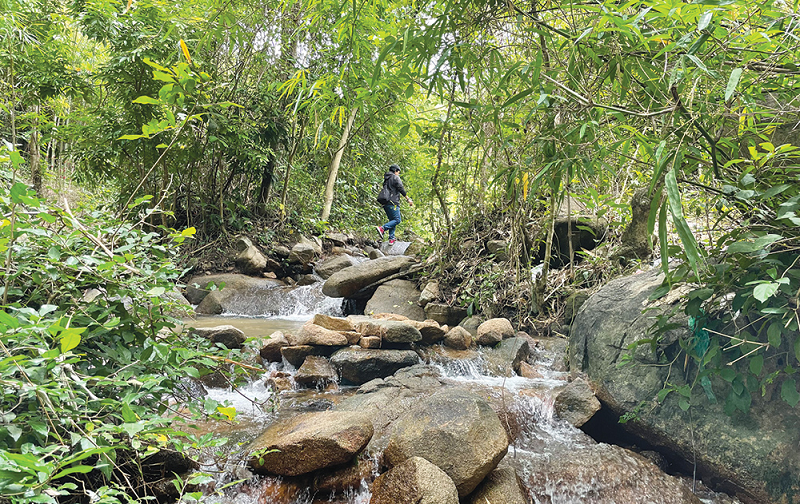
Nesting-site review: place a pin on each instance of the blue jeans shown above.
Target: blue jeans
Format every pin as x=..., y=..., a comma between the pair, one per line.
x=393, y=213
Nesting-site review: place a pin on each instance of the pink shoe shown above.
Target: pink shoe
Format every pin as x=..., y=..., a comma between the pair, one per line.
x=380, y=230
x=391, y=241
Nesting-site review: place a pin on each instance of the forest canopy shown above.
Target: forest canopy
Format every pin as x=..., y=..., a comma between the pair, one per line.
x=214, y=118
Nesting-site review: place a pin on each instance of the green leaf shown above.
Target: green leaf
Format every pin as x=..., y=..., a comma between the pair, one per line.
x=128, y=415
x=146, y=100
x=756, y=364
x=774, y=334
x=156, y=291
x=765, y=290
x=789, y=392
x=681, y=226
x=516, y=97
x=797, y=348
x=70, y=338
x=733, y=81
x=705, y=20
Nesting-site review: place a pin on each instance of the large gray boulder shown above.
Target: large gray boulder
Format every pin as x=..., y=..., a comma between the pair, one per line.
x=347, y=282
x=240, y=294
x=331, y=265
x=309, y=442
x=251, y=261
x=753, y=456
x=457, y=431
x=396, y=296
x=360, y=365
x=414, y=481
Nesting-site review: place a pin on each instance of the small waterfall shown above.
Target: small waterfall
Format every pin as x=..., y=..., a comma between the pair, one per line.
x=308, y=300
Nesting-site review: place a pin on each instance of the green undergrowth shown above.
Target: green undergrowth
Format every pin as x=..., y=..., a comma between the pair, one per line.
x=91, y=358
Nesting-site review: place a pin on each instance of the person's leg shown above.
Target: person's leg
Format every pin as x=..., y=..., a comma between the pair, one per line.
x=393, y=214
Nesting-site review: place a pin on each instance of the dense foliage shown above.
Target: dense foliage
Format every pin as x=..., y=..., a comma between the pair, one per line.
x=91, y=362
x=281, y=113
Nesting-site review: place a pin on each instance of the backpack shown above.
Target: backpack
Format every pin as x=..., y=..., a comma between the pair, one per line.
x=383, y=196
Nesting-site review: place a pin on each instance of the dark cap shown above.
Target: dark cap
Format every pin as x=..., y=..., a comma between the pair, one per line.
x=394, y=168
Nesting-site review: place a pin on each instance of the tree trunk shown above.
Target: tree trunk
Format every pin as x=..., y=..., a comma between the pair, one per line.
x=296, y=144
x=37, y=172
x=334, y=169
x=266, y=185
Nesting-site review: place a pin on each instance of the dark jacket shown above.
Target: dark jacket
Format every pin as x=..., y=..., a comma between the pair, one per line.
x=395, y=185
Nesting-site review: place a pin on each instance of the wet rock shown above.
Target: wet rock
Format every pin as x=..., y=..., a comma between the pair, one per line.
x=617, y=476
x=191, y=387
x=512, y=352
x=375, y=253
x=279, y=381
x=493, y=331
x=458, y=338
x=238, y=294
x=528, y=371
x=301, y=253
x=215, y=379
x=310, y=442
x=501, y=486
x=347, y=282
x=396, y=296
x=333, y=323
x=331, y=265
x=429, y=293
x=577, y=403
x=251, y=261
x=312, y=334
x=315, y=371
x=471, y=324
x=390, y=331
x=358, y=365
x=227, y=335
x=271, y=349
x=344, y=478
x=307, y=279
x=415, y=481
x=455, y=430
x=296, y=355
x=444, y=314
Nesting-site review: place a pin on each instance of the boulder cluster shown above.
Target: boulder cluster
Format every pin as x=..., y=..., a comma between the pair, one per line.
x=433, y=444
x=359, y=348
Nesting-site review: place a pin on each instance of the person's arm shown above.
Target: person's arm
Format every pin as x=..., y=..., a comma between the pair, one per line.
x=402, y=190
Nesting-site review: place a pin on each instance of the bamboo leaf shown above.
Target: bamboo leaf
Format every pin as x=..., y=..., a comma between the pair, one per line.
x=733, y=81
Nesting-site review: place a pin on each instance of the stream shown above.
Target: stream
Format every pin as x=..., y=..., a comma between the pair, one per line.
x=556, y=462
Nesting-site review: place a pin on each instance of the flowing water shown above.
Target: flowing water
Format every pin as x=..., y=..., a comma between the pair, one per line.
x=557, y=463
